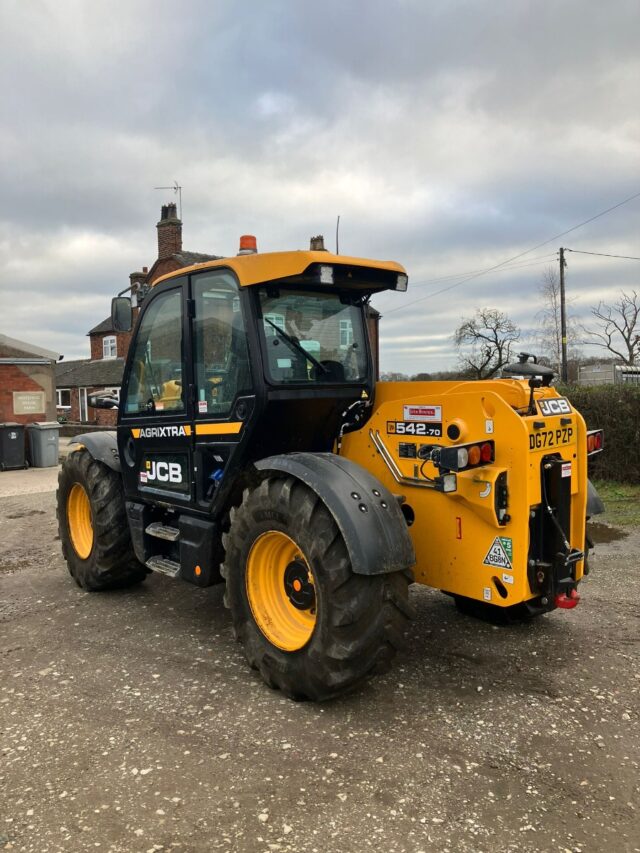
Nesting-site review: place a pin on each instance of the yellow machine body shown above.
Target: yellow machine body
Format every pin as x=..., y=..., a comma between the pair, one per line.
x=460, y=544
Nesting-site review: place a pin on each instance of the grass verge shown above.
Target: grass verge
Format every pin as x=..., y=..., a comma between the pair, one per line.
x=622, y=503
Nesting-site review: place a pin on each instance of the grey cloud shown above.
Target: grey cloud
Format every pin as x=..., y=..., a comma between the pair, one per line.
x=448, y=135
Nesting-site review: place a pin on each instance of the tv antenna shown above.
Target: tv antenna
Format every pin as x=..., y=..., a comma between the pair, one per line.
x=177, y=189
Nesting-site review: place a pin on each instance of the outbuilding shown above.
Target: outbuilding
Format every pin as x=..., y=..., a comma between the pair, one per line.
x=27, y=382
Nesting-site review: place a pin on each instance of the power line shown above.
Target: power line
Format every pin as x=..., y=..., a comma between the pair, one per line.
x=603, y=254
x=516, y=257
x=415, y=284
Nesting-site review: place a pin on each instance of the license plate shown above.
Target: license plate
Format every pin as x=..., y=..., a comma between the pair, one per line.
x=545, y=438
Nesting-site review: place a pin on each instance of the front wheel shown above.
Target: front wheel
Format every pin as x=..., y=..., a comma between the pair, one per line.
x=93, y=527
x=306, y=621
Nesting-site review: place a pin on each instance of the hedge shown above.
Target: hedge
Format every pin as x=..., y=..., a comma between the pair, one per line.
x=616, y=410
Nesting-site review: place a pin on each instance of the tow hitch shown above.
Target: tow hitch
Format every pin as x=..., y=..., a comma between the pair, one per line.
x=568, y=600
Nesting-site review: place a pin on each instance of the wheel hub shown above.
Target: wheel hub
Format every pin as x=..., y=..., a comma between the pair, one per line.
x=298, y=587
x=79, y=521
x=280, y=590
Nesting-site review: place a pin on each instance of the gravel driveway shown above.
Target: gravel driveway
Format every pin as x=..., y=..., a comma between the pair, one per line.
x=129, y=722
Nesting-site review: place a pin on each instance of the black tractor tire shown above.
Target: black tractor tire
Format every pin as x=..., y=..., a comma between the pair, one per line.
x=360, y=620
x=108, y=561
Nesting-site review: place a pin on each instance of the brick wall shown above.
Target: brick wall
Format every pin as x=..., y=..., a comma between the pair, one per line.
x=161, y=267
x=15, y=377
x=169, y=232
x=122, y=344
x=373, y=322
x=102, y=417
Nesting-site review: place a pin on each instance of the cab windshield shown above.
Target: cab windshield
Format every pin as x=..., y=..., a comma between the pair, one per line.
x=312, y=337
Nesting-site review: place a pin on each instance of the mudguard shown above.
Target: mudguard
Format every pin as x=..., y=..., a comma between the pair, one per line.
x=367, y=514
x=103, y=446
x=594, y=501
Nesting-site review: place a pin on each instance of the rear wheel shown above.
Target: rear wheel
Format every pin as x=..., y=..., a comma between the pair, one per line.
x=306, y=621
x=93, y=527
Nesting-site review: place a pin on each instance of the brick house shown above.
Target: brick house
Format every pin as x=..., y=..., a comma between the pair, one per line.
x=77, y=380
x=27, y=382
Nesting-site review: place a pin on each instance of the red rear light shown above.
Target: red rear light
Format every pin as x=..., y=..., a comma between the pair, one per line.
x=595, y=441
x=463, y=456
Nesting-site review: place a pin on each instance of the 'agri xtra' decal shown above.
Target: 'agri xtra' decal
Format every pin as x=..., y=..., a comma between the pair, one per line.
x=500, y=554
x=172, y=431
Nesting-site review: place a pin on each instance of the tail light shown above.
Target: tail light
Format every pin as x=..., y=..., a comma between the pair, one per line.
x=464, y=456
x=595, y=441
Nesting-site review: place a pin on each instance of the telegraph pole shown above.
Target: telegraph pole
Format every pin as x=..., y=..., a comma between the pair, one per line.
x=564, y=372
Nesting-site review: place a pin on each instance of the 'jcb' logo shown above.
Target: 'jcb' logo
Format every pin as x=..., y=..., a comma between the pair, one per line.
x=164, y=472
x=554, y=406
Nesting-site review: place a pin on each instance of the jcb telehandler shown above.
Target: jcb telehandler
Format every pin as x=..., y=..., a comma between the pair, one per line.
x=254, y=448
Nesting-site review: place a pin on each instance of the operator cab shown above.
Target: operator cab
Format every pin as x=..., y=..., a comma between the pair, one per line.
x=239, y=359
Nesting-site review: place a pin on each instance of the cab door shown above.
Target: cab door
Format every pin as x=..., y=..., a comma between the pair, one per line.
x=155, y=425
x=223, y=387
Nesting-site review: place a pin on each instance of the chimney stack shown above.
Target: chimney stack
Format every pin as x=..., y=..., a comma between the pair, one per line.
x=169, y=232
x=316, y=244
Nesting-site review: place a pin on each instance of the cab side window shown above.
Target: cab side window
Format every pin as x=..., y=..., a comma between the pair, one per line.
x=156, y=375
x=220, y=344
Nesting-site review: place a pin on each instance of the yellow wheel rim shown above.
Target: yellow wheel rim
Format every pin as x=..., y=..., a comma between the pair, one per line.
x=281, y=591
x=79, y=521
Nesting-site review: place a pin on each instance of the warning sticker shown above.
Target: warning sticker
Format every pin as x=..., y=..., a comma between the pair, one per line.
x=422, y=413
x=500, y=554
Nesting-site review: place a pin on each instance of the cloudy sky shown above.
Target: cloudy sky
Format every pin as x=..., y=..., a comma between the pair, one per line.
x=449, y=135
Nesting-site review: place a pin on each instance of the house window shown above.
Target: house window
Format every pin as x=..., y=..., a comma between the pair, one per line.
x=109, y=347
x=346, y=333
x=277, y=320
x=63, y=398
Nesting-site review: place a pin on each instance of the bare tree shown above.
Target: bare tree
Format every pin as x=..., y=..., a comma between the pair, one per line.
x=619, y=327
x=550, y=323
x=484, y=342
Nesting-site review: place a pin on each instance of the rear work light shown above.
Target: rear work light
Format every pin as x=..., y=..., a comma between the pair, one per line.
x=595, y=441
x=462, y=457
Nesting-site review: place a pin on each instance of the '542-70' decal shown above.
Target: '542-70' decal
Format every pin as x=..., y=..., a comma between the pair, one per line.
x=431, y=428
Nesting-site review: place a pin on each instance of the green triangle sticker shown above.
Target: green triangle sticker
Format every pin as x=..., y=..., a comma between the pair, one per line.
x=500, y=553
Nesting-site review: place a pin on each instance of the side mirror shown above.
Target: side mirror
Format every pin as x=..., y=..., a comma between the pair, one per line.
x=102, y=401
x=121, y=314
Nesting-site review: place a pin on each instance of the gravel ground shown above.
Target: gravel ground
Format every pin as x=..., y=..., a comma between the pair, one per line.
x=129, y=722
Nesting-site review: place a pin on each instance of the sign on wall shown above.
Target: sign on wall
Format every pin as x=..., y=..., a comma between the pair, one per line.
x=28, y=403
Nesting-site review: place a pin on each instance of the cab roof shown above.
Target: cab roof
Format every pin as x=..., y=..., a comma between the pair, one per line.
x=260, y=267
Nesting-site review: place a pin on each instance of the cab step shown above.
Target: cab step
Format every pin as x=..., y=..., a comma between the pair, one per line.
x=163, y=531
x=163, y=565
